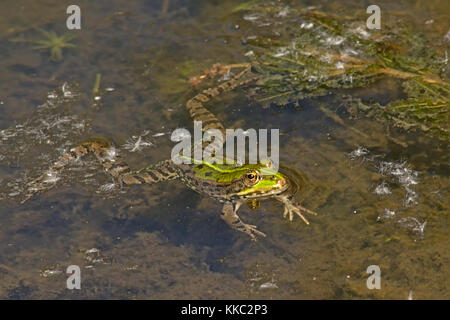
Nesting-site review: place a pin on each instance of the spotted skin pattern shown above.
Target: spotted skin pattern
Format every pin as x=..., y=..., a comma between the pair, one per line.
x=230, y=185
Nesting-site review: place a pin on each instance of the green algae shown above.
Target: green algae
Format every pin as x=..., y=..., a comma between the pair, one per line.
x=54, y=43
x=323, y=53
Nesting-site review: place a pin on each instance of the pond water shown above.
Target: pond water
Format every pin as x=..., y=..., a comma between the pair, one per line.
x=381, y=191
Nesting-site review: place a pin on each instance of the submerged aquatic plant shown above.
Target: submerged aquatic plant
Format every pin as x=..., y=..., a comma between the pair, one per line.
x=54, y=43
x=305, y=52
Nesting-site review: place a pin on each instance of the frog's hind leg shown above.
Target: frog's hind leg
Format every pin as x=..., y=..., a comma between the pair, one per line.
x=217, y=69
x=119, y=169
x=113, y=164
x=230, y=216
x=100, y=147
x=199, y=112
x=161, y=171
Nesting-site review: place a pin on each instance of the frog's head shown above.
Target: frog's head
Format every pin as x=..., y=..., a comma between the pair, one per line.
x=249, y=181
x=255, y=181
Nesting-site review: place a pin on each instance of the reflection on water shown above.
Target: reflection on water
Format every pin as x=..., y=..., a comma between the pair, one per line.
x=381, y=192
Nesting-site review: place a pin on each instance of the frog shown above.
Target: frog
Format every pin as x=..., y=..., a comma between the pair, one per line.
x=230, y=183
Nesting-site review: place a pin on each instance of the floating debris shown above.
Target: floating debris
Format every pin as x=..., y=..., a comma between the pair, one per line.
x=334, y=41
x=413, y=224
x=93, y=256
x=268, y=285
x=387, y=214
x=67, y=92
x=339, y=65
x=382, y=189
x=283, y=12
x=48, y=273
x=361, y=151
x=132, y=268
x=51, y=177
x=447, y=36
x=93, y=250
x=159, y=134
x=410, y=198
x=251, y=17
x=111, y=153
x=405, y=176
x=306, y=25
x=107, y=187
x=281, y=52
x=136, y=143
x=361, y=31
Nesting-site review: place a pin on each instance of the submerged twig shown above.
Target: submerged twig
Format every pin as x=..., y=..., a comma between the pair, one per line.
x=96, y=89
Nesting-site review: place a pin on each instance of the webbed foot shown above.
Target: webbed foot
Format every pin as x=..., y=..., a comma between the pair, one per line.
x=232, y=219
x=291, y=207
x=45, y=181
x=251, y=230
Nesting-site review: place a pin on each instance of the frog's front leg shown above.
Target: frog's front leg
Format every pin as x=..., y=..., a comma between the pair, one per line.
x=230, y=216
x=291, y=207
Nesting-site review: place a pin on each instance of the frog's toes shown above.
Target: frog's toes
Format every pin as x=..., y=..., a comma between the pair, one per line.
x=252, y=231
x=291, y=209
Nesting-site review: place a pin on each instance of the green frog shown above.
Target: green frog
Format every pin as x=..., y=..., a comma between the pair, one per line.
x=229, y=183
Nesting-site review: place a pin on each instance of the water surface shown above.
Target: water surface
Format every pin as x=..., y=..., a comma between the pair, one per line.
x=382, y=192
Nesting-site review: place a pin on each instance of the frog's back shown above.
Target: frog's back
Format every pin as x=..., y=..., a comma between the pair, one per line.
x=200, y=178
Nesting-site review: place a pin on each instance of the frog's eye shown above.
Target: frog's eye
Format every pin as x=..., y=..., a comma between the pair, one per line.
x=251, y=177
